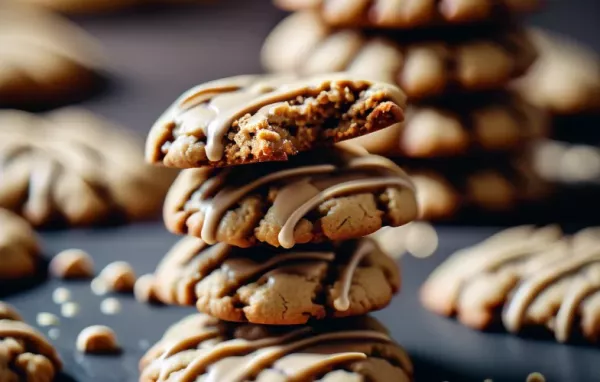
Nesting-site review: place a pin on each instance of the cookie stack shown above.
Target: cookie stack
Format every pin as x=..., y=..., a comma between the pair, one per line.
x=275, y=257
x=464, y=133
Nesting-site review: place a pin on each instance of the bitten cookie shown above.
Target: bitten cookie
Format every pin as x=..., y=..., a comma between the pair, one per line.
x=200, y=347
x=25, y=354
x=19, y=247
x=524, y=277
x=422, y=67
x=566, y=77
x=497, y=123
x=70, y=166
x=334, y=194
x=409, y=13
x=250, y=119
x=264, y=285
x=45, y=59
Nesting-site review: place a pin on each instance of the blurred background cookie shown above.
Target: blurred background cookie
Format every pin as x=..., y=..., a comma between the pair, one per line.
x=19, y=247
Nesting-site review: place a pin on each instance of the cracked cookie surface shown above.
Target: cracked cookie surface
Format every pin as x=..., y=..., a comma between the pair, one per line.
x=273, y=286
x=248, y=119
x=200, y=347
x=19, y=247
x=334, y=194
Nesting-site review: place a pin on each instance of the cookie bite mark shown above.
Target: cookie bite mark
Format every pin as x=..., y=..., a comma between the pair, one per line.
x=251, y=119
x=202, y=347
x=273, y=286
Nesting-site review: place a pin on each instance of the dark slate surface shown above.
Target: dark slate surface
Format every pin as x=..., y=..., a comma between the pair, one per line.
x=156, y=54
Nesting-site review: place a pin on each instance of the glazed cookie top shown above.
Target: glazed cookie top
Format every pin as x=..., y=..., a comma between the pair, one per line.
x=250, y=119
x=276, y=286
x=421, y=64
x=538, y=276
x=74, y=167
x=407, y=13
x=201, y=347
x=25, y=354
x=335, y=194
x=19, y=247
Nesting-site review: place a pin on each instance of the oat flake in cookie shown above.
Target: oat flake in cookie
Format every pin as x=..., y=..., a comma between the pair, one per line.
x=200, y=347
x=267, y=285
x=19, y=247
x=523, y=277
x=250, y=119
x=25, y=354
x=72, y=167
x=334, y=194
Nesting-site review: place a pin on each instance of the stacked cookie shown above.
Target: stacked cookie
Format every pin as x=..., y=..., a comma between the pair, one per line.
x=275, y=217
x=454, y=59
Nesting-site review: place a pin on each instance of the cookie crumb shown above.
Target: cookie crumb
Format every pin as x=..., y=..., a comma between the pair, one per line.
x=536, y=377
x=110, y=306
x=118, y=277
x=99, y=287
x=421, y=239
x=144, y=289
x=72, y=264
x=54, y=333
x=47, y=319
x=97, y=339
x=69, y=309
x=61, y=295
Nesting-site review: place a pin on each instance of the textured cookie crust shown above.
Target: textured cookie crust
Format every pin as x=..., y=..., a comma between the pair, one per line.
x=333, y=194
x=264, y=285
x=500, y=122
x=72, y=167
x=200, y=347
x=249, y=119
x=45, y=59
x=25, y=354
x=523, y=277
x=409, y=13
x=422, y=67
x=19, y=247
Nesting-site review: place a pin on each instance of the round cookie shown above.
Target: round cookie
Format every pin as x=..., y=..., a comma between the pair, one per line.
x=422, y=67
x=19, y=247
x=200, y=347
x=501, y=123
x=409, y=13
x=44, y=59
x=264, y=285
x=335, y=194
x=250, y=119
x=73, y=167
x=523, y=277
x=25, y=354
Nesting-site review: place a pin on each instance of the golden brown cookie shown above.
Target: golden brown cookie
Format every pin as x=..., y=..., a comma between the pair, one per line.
x=334, y=194
x=73, y=167
x=43, y=58
x=200, y=347
x=500, y=123
x=423, y=68
x=25, y=354
x=409, y=13
x=19, y=247
x=523, y=277
x=566, y=77
x=264, y=285
x=249, y=119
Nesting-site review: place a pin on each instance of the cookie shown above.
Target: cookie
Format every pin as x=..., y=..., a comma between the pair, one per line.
x=565, y=162
x=566, y=77
x=19, y=247
x=25, y=354
x=335, y=194
x=524, y=277
x=200, y=347
x=72, y=167
x=45, y=59
x=500, y=123
x=249, y=119
x=409, y=13
x=422, y=67
x=264, y=285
